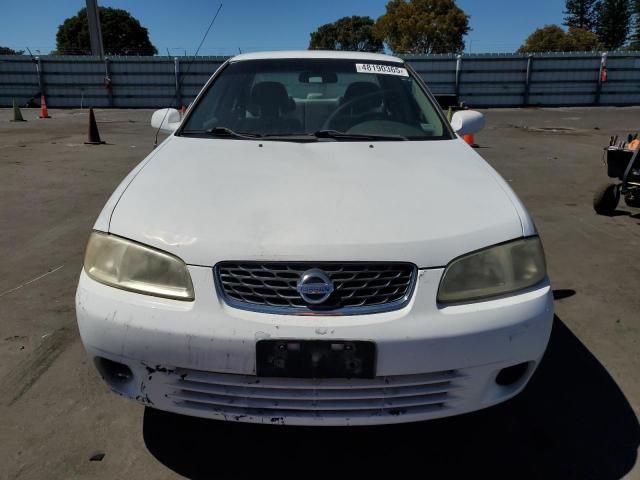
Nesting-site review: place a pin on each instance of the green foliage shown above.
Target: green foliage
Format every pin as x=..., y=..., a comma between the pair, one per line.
x=122, y=34
x=582, y=40
x=614, y=23
x=348, y=33
x=10, y=51
x=582, y=14
x=549, y=38
x=552, y=38
x=423, y=26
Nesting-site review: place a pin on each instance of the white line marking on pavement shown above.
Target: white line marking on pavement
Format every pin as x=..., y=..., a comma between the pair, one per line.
x=31, y=281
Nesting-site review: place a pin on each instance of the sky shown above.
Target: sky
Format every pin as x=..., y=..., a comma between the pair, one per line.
x=251, y=25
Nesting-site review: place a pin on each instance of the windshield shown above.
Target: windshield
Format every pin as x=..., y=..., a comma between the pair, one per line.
x=320, y=98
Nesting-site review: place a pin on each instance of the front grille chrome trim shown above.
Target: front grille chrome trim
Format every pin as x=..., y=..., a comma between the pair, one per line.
x=318, y=310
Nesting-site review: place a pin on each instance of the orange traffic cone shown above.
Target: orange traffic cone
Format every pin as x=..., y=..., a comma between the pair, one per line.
x=94, y=135
x=183, y=110
x=44, y=113
x=470, y=139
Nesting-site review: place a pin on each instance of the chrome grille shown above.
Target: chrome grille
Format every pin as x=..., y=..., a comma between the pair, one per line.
x=274, y=397
x=359, y=287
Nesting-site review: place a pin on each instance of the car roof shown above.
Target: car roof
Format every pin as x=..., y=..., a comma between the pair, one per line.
x=362, y=56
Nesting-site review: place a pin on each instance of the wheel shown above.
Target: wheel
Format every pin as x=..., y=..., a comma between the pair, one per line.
x=606, y=198
x=632, y=200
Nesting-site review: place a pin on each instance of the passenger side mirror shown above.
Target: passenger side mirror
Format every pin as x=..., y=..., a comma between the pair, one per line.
x=166, y=119
x=467, y=122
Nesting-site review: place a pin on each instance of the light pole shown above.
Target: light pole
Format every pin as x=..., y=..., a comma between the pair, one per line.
x=95, y=33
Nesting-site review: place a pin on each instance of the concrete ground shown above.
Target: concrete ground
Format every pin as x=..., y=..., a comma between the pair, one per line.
x=577, y=419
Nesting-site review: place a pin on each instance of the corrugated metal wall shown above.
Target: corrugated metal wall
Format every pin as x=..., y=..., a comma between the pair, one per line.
x=479, y=80
x=554, y=79
x=120, y=82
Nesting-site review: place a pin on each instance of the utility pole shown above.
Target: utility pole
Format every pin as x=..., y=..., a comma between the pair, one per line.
x=95, y=33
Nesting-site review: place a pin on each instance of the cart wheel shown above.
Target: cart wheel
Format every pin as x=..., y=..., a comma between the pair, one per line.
x=632, y=201
x=606, y=198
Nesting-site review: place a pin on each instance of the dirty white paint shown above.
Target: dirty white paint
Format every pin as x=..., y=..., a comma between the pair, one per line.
x=210, y=200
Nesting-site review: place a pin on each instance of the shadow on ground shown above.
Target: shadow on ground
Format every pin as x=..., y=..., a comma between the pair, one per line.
x=562, y=293
x=572, y=421
x=622, y=213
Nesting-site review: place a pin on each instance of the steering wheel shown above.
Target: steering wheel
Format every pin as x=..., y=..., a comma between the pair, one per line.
x=332, y=117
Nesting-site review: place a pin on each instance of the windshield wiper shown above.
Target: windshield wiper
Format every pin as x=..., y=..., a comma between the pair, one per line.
x=290, y=137
x=227, y=132
x=355, y=136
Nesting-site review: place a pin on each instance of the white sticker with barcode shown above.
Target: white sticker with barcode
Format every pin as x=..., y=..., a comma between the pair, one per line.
x=383, y=69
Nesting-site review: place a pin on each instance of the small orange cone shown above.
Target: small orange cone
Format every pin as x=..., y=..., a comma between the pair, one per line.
x=94, y=135
x=470, y=139
x=183, y=110
x=44, y=113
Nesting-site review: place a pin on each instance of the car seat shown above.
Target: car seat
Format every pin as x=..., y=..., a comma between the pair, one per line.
x=268, y=104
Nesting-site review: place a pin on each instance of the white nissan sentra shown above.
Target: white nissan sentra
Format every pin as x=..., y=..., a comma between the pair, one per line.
x=315, y=245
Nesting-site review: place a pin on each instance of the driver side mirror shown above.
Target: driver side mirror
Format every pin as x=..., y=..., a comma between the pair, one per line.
x=467, y=122
x=166, y=119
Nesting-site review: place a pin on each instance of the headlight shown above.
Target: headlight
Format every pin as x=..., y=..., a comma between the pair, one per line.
x=131, y=266
x=505, y=268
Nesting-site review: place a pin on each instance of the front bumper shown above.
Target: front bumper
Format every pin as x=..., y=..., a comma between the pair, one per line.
x=198, y=358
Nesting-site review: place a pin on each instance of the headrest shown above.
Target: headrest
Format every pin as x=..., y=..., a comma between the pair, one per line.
x=271, y=99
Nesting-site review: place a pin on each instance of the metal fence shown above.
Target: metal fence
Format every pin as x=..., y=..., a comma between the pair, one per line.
x=487, y=80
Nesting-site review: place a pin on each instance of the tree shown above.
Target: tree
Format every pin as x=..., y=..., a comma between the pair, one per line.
x=634, y=43
x=122, y=34
x=348, y=33
x=614, y=23
x=10, y=51
x=581, y=14
x=552, y=38
x=423, y=26
x=581, y=40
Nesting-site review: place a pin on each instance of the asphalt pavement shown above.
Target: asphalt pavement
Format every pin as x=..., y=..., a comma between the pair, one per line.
x=577, y=419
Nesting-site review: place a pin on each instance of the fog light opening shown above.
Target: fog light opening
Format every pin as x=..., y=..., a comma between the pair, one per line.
x=113, y=372
x=510, y=375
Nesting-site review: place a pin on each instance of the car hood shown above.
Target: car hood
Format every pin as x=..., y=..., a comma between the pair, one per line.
x=208, y=200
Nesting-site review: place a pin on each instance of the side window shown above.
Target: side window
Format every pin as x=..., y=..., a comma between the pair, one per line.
x=430, y=120
x=224, y=108
x=399, y=101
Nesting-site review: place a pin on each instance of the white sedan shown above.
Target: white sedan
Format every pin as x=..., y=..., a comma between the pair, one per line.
x=315, y=245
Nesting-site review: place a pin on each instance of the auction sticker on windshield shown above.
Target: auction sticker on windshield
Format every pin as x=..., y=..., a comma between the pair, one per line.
x=383, y=69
